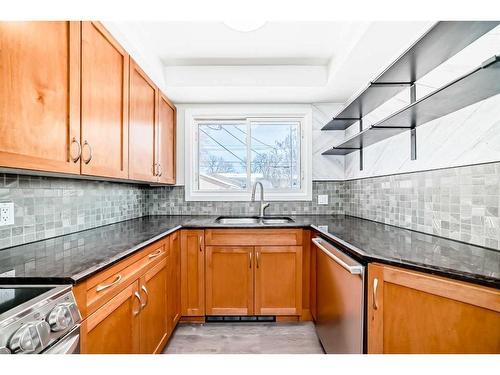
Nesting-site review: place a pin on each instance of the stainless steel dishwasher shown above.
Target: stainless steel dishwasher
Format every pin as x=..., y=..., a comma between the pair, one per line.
x=339, y=299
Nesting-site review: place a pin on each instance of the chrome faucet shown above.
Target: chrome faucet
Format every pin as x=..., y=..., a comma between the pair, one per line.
x=263, y=205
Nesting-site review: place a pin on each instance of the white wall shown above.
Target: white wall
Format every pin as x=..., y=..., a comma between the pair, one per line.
x=129, y=35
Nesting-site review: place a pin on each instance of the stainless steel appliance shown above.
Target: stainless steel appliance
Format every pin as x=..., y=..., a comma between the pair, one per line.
x=339, y=299
x=38, y=319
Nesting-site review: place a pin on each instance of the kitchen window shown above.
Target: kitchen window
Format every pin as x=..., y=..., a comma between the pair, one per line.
x=228, y=154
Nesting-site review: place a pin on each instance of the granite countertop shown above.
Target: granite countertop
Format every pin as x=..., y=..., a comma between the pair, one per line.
x=74, y=257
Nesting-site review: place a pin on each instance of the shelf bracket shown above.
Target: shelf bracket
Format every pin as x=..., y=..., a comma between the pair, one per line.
x=361, y=146
x=413, y=127
x=391, y=84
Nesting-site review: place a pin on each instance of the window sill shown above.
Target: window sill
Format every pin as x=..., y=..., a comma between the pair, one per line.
x=245, y=197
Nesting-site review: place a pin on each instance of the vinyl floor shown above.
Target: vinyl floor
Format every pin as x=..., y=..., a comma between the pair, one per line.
x=244, y=338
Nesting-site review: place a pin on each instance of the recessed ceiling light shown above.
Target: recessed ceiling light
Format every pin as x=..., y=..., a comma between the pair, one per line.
x=244, y=25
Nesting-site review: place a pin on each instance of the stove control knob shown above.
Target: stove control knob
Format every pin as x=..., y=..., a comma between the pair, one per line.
x=30, y=337
x=60, y=318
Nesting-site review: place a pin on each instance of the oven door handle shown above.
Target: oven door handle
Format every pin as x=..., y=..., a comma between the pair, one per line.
x=69, y=344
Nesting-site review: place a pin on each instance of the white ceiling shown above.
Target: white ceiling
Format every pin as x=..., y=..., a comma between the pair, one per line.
x=282, y=62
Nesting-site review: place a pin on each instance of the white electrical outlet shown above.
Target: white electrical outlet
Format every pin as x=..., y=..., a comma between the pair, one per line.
x=323, y=199
x=323, y=228
x=6, y=213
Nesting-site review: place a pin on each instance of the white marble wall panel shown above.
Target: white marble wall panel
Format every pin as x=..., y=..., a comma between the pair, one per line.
x=468, y=136
x=326, y=167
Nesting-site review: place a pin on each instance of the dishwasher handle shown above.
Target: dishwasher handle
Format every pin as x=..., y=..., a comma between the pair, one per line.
x=330, y=251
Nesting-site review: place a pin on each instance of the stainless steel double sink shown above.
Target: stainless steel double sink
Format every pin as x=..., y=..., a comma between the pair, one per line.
x=269, y=220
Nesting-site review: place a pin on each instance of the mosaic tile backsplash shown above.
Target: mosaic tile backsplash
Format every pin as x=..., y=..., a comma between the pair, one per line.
x=170, y=201
x=45, y=207
x=460, y=203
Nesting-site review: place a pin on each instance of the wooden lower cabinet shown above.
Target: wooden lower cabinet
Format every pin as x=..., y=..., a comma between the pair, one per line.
x=115, y=327
x=229, y=280
x=193, y=273
x=131, y=316
x=278, y=280
x=412, y=312
x=153, y=316
x=313, y=283
x=174, y=282
x=247, y=272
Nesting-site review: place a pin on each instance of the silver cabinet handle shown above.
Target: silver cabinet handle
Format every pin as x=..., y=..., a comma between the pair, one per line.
x=355, y=270
x=201, y=243
x=77, y=157
x=137, y=295
x=143, y=305
x=155, y=169
x=375, y=286
x=257, y=258
x=160, y=170
x=250, y=258
x=154, y=254
x=86, y=161
x=106, y=286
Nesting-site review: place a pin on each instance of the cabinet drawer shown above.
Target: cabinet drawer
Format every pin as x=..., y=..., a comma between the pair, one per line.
x=253, y=237
x=103, y=286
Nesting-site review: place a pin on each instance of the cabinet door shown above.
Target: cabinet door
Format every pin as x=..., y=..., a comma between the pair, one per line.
x=229, y=280
x=174, y=283
x=40, y=96
x=192, y=273
x=410, y=312
x=104, y=98
x=278, y=280
x=142, y=122
x=153, y=289
x=313, y=282
x=166, y=141
x=114, y=328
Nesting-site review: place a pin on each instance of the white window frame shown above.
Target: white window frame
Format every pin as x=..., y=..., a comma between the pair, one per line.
x=300, y=112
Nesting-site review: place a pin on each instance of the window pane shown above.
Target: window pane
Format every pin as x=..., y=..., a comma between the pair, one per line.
x=222, y=156
x=275, y=150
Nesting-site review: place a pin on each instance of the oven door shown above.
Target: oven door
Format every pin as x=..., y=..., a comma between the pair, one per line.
x=68, y=344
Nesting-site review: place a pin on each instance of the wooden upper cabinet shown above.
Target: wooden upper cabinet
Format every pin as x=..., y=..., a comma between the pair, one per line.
x=192, y=273
x=65, y=105
x=40, y=96
x=142, y=123
x=229, y=280
x=411, y=312
x=115, y=327
x=153, y=288
x=278, y=280
x=165, y=141
x=104, y=103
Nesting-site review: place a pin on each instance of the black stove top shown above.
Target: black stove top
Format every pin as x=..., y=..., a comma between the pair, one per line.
x=11, y=297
